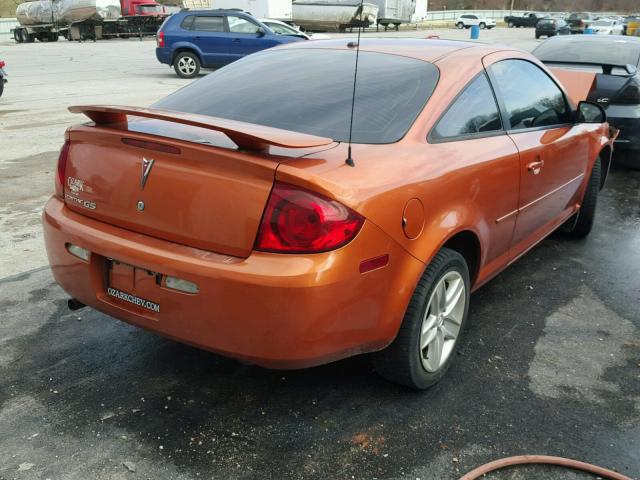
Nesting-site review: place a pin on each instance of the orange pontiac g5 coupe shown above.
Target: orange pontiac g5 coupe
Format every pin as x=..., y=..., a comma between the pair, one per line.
x=226, y=216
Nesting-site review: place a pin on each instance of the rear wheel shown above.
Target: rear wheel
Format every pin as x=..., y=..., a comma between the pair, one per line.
x=482, y=26
x=186, y=65
x=432, y=327
x=581, y=223
x=460, y=25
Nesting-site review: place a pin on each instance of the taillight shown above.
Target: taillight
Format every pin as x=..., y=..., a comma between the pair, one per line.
x=297, y=220
x=62, y=166
x=630, y=93
x=2, y=64
x=160, y=39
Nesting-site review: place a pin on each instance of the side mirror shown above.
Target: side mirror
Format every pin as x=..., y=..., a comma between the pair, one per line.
x=589, y=112
x=260, y=32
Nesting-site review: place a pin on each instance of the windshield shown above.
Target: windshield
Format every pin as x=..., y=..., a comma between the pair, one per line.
x=602, y=23
x=310, y=91
x=149, y=9
x=579, y=16
x=604, y=51
x=282, y=29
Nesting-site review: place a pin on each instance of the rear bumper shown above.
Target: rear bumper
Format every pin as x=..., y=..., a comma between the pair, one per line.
x=278, y=311
x=163, y=55
x=627, y=119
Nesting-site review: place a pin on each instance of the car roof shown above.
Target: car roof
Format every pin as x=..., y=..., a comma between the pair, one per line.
x=215, y=10
x=595, y=38
x=428, y=50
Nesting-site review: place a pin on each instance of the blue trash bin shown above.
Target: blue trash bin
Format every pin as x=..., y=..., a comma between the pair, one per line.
x=588, y=31
x=475, y=32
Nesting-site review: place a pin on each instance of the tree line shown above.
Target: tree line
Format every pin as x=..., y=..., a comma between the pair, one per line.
x=539, y=5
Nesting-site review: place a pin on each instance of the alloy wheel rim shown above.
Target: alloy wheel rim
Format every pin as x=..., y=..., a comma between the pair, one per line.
x=187, y=65
x=442, y=321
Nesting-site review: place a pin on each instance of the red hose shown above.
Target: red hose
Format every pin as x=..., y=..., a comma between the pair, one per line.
x=543, y=460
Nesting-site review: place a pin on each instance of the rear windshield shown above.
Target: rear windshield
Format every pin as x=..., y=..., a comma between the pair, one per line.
x=582, y=50
x=546, y=21
x=310, y=91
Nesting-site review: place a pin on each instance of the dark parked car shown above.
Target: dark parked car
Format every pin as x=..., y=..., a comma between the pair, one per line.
x=191, y=39
x=615, y=60
x=578, y=21
x=526, y=20
x=550, y=27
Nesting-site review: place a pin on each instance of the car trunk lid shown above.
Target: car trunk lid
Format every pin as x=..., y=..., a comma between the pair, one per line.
x=196, y=190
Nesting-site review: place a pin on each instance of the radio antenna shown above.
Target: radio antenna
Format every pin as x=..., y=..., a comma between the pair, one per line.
x=349, y=161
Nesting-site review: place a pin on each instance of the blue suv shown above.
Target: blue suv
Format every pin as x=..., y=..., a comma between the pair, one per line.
x=191, y=39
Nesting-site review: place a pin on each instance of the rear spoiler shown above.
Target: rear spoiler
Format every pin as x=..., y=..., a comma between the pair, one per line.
x=606, y=67
x=247, y=136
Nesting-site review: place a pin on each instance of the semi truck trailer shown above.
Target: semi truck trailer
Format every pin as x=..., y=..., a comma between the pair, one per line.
x=47, y=20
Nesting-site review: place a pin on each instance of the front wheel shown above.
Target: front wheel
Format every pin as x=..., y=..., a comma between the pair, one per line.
x=186, y=65
x=432, y=327
x=460, y=25
x=581, y=223
x=511, y=25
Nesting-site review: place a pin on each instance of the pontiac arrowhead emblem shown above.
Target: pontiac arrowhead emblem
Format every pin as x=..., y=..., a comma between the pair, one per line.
x=146, y=169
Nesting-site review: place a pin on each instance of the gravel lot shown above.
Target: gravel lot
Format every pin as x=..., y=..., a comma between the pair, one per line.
x=550, y=363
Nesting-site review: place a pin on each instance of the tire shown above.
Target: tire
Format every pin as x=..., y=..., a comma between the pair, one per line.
x=460, y=25
x=404, y=361
x=581, y=223
x=511, y=25
x=17, y=35
x=482, y=25
x=186, y=65
x=1, y=86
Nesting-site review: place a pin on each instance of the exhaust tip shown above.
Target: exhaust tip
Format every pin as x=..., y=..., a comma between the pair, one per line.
x=74, y=304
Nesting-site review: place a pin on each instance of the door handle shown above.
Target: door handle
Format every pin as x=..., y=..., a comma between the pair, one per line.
x=236, y=39
x=535, y=167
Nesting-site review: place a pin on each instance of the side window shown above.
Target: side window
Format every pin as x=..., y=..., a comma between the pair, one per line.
x=187, y=22
x=474, y=111
x=241, y=25
x=531, y=98
x=208, y=24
